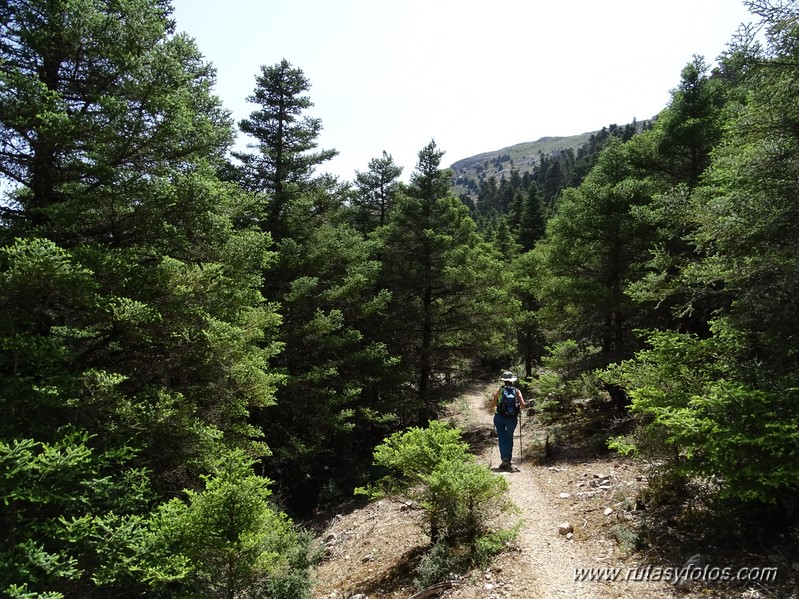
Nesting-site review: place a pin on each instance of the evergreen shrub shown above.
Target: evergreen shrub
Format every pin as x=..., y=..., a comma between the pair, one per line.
x=706, y=414
x=564, y=379
x=433, y=468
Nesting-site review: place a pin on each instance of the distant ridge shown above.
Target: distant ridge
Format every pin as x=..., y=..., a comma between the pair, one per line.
x=522, y=157
x=525, y=151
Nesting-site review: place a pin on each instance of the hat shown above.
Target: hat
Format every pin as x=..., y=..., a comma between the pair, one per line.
x=508, y=377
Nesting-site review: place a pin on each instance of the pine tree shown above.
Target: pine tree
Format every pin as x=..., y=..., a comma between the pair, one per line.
x=721, y=406
x=326, y=418
x=285, y=140
x=449, y=291
x=232, y=538
x=530, y=230
x=673, y=155
x=117, y=169
x=745, y=214
x=594, y=247
x=678, y=147
x=532, y=222
x=324, y=281
x=108, y=98
x=377, y=189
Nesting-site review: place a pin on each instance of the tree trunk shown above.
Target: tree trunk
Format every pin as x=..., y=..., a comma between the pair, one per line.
x=425, y=366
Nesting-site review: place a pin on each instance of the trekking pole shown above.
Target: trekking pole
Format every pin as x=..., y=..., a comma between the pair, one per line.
x=491, y=457
x=521, y=447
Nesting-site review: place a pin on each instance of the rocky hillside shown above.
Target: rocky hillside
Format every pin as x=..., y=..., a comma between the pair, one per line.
x=522, y=157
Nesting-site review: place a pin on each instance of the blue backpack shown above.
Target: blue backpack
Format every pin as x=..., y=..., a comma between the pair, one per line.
x=507, y=404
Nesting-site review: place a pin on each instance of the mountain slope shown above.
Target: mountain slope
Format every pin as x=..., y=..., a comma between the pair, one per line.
x=522, y=157
x=524, y=153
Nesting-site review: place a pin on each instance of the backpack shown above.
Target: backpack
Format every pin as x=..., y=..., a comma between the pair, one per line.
x=507, y=404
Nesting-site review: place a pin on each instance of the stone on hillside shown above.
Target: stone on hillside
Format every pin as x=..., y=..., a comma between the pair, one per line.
x=565, y=528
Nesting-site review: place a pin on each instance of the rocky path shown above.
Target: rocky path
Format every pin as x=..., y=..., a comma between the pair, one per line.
x=371, y=548
x=582, y=494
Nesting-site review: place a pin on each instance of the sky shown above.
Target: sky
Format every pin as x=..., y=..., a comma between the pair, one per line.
x=392, y=75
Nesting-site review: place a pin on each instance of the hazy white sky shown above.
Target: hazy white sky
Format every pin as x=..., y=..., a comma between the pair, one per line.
x=475, y=76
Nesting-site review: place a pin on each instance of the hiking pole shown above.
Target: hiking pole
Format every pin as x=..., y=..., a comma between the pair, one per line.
x=521, y=447
x=491, y=457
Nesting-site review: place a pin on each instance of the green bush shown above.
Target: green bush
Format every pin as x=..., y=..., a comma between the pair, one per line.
x=704, y=415
x=564, y=379
x=432, y=466
x=412, y=454
x=460, y=497
x=228, y=540
x=444, y=561
x=437, y=564
x=492, y=543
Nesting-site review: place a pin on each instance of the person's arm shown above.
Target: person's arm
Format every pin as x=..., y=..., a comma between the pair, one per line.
x=494, y=400
x=520, y=397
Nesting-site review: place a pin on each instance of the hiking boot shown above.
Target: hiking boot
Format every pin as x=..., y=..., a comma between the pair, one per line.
x=504, y=465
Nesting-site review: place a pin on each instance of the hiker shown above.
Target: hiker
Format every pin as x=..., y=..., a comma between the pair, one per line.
x=506, y=403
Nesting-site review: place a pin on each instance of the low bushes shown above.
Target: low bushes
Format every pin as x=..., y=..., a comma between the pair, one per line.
x=458, y=496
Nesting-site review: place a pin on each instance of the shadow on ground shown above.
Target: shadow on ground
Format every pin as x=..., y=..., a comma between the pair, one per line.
x=395, y=579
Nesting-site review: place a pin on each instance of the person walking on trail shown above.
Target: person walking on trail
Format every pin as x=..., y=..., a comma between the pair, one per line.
x=507, y=404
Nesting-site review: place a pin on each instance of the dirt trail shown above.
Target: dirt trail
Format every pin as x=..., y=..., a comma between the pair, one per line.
x=546, y=561
x=546, y=556
x=372, y=548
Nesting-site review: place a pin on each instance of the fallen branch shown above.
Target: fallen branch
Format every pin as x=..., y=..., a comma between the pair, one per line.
x=434, y=590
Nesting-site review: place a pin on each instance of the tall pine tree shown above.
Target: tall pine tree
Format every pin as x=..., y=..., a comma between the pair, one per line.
x=595, y=246
x=377, y=190
x=324, y=283
x=285, y=141
x=450, y=299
